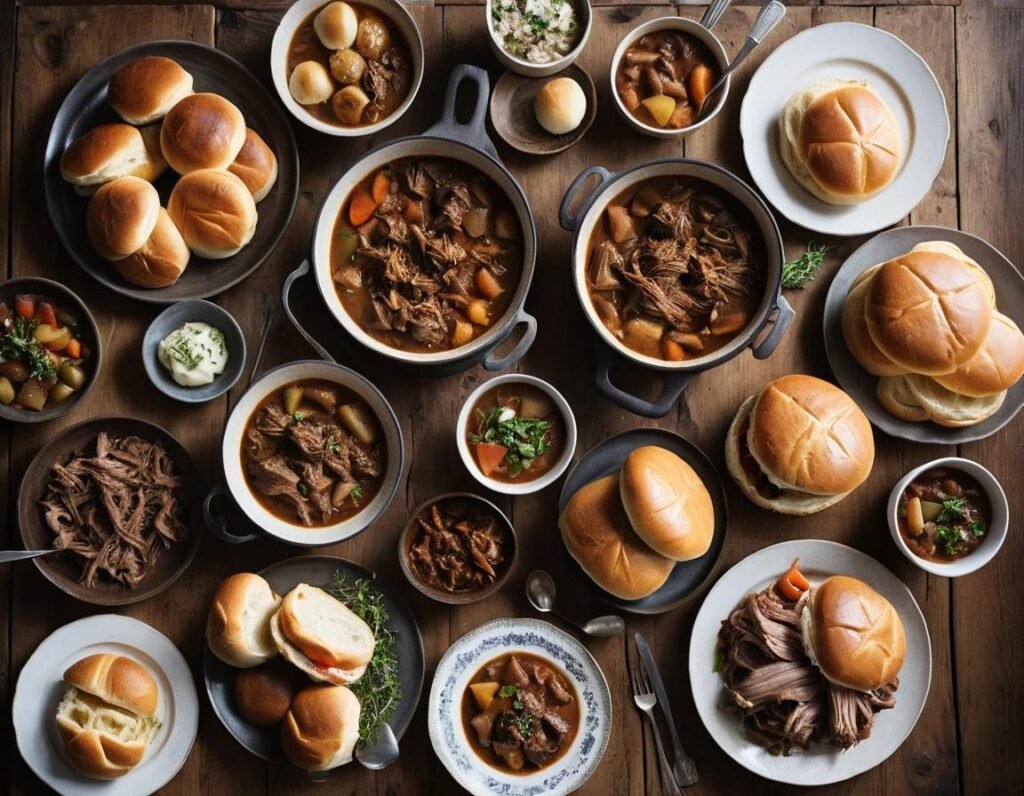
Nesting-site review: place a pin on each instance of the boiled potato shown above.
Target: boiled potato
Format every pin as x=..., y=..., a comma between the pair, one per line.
x=373, y=37
x=487, y=283
x=60, y=392
x=349, y=104
x=483, y=693
x=642, y=334
x=56, y=338
x=336, y=25
x=462, y=333
x=506, y=225
x=477, y=312
x=310, y=83
x=347, y=66
x=6, y=390
x=32, y=395
x=292, y=399
x=536, y=406
x=14, y=370
x=72, y=375
x=360, y=422
x=660, y=107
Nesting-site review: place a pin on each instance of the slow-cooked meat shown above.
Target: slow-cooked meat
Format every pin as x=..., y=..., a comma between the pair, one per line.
x=114, y=506
x=457, y=546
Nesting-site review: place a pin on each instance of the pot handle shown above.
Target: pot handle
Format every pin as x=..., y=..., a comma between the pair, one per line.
x=672, y=387
x=565, y=218
x=494, y=363
x=780, y=318
x=286, y=292
x=473, y=132
x=216, y=524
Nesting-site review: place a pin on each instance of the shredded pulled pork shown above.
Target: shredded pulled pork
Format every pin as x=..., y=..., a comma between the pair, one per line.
x=457, y=547
x=784, y=700
x=114, y=506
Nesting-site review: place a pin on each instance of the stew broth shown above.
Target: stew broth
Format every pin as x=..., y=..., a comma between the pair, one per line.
x=944, y=515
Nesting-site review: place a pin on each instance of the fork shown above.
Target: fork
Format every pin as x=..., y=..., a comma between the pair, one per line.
x=645, y=699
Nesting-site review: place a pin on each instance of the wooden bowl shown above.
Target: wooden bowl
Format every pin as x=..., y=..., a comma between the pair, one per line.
x=515, y=122
x=60, y=568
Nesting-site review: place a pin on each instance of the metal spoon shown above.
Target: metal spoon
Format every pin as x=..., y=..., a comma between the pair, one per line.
x=769, y=16
x=541, y=592
x=382, y=752
x=714, y=13
x=21, y=555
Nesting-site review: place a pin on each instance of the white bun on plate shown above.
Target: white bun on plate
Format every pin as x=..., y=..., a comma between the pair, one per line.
x=321, y=728
x=238, y=625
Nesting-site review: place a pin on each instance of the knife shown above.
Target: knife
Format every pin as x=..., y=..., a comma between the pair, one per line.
x=683, y=767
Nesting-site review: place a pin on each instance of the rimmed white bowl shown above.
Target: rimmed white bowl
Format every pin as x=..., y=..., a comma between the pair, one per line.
x=699, y=32
x=584, y=22
x=994, y=538
x=533, y=485
x=396, y=13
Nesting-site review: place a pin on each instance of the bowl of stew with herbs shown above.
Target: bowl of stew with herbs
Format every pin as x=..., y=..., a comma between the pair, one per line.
x=516, y=434
x=949, y=516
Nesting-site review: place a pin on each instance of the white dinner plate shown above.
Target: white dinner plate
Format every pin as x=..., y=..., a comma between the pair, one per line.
x=822, y=763
x=40, y=688
x=846, y=51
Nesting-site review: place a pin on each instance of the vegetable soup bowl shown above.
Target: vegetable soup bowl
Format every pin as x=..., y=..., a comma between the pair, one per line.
x=584, y=22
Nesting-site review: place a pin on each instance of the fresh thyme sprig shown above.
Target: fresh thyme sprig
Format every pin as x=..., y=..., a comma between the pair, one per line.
x=797, y=273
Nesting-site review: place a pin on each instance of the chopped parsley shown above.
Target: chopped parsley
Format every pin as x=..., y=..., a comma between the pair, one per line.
x=951, y=539
x=524, y=438
x=299, y=416
x=507, y=690
x=978, y=528
x=20, y=344
x=953, y=509
x=333, y=446
x=356, y=494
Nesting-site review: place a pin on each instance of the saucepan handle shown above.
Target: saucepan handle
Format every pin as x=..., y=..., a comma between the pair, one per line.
x=473, y=132
x=492, y=362
x=286, y=293
x=780, y=318
x=672, y=387
x=216, y=523
x=569, y=220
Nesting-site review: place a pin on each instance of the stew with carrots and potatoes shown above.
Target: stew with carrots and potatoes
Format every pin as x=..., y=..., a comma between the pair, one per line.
x=944, y=514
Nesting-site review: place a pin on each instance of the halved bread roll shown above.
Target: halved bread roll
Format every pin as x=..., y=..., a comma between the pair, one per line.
x=238, y=625
x=996, y=367
x=951, y=409
x=896, y=398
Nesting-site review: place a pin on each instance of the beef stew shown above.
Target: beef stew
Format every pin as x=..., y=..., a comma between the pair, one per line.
x=944, y=515
x=313, y=453
x=675, y=268
x=426, y=254
x=520, y=713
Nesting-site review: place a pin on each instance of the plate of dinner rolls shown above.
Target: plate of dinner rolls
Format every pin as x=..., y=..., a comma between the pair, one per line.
x=170, y=172
x=106, y=705
x=923, y=330
x=844, y=128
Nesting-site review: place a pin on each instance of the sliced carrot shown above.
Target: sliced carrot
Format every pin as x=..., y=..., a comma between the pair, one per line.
x=25, y=306
x=46, y=313
x=361, y=207
x=490, y=455
x=73, y=349
x=793, y=583
x=672, y=351
x=381, y=187
x=699, y=83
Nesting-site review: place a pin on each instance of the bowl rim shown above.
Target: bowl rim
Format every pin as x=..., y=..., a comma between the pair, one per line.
x=987, y=550
x=285, y=30
x=531, y=69
x=535, y=484
x=58, y=290
x=694, y=28
x=456, y=598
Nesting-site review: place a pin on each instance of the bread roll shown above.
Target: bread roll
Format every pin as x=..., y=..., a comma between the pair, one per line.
x=106, y=153
x=336, y=25
x=896, y=398
x=214, y=212
x=667, y=503
x=117, y=680
x=840, y=141
x=954, y=251
x=238, y=625
x=853, y=634
x=597, y=533
x=996, y=367
x=855, y=330
x=948, y=408
x=321, y=728
x=324, y=628
x=255, y=165
x=121, y=216
x=161, y=260
x=203, y=131
x=145, y=89
x=927, y=312
x=310, y=83
x=560, y=105
x=264, y=694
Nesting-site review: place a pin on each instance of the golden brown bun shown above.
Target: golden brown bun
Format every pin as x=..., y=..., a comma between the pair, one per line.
x=238, y=625
x=203, y=131
x=108, y=152
x=214, y=212
x=954, y=251
x=948, y=408
x=896, y=398
x=321, y=728
x=927, y=312
x=667, y=504
x=856, y=636
x=121, y=216
x=324, y=629
x=560, y=105
x=996, y=367
x=840, y=141
x=855, y=329
x=263, y=695
x=160, y=261
x=100, y=740
x=117, y=680
x=147, y=88
x=597, y=533
x=809, y=435
x=255, y=165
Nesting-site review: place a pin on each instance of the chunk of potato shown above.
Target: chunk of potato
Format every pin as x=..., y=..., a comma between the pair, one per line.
x=487, y=284
x=292, y=399
x=506, y=225
x=477, y=312
x=483, y=693
x=373, y=37
x=6, y=390
x=660, y=107
x=643, y=334
x=536, y=406
x=359, y=421
x=462, y=333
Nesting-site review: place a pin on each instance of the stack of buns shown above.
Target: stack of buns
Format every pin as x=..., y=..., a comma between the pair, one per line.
x=628, y=529
x=107, y=717
x=926, y=323
x=249, y=626
x=226, y=168
x=799, y=446
x=840, y=141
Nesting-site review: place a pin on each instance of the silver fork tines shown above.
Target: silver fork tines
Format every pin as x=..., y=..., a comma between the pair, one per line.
x=645, y=699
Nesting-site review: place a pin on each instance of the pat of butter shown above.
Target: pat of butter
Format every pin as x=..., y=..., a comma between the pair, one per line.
x=194, y=354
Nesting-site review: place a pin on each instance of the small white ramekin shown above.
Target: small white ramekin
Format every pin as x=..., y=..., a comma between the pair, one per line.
x=584, y=20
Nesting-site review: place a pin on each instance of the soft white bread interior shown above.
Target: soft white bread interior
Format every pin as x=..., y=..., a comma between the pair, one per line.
x=144, y=90
x=321, y=728
x=238, y=625
x=896, y=398
x=107, y=152
x=948, y=408
x=116, y=679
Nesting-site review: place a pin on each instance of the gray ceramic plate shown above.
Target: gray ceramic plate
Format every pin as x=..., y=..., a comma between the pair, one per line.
x=177, y=315
x=515, y=122
x=860, y=384
x=607, y=457
x=265, y=742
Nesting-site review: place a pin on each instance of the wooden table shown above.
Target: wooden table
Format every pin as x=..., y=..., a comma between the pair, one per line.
x=966, y=739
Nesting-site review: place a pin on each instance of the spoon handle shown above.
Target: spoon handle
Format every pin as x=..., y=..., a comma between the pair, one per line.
x=21, y=555
x=770, y=15
x=714, y=13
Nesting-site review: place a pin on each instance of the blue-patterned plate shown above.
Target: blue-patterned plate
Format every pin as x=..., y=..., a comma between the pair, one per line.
x=465, y=657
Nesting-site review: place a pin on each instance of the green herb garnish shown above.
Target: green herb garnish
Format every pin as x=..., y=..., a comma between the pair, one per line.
x=333, y=446
x=951, y=538
x=524, y=438
x=299, y=416
x=19, y=344
x=978, y=528
x=356, y=494
x=719, y=665
x=303, y=489
x=379, y=689
x=507, y=690
x=953, y=509
x=797, y=273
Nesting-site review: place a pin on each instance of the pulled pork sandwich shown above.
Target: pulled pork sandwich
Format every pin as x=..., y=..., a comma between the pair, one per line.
x=806, y=664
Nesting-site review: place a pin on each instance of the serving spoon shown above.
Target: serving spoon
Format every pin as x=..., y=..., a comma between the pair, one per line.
x=541, y=592
x=21, y=555
x=382, y=752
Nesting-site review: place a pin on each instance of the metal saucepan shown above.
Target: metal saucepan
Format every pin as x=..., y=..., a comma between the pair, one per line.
x=466, y=142
x=773, y=312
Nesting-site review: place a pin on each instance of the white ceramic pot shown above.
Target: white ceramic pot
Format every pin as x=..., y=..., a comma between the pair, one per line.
x=584, y=22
